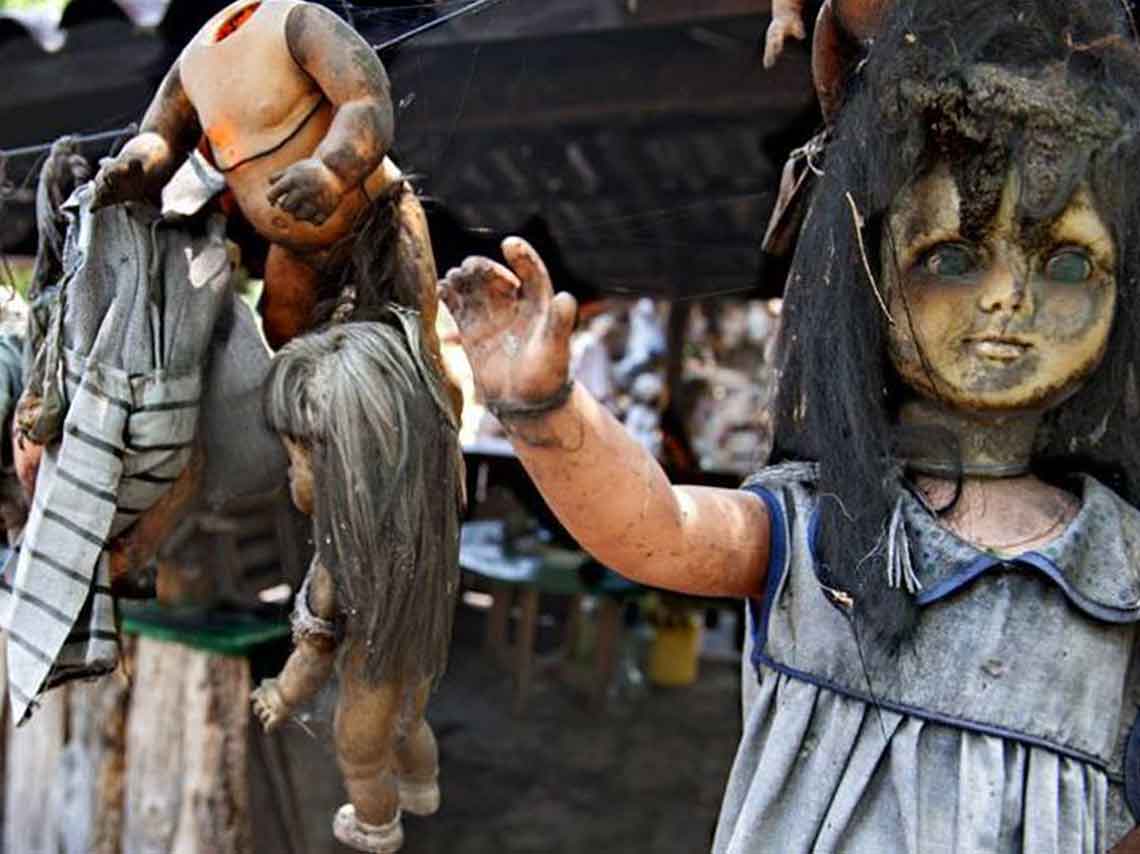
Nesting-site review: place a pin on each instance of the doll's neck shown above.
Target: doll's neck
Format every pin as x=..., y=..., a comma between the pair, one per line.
x=988, y=447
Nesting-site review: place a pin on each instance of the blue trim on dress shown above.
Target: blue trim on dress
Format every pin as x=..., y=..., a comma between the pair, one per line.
x=777, y=563
x=1032, y=560
x=1132, y=770
x=761, y=659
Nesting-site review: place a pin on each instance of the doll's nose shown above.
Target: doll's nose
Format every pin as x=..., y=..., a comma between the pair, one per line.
x=1003, y=289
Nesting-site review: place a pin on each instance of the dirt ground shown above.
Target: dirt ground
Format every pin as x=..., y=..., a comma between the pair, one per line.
x=647, y=775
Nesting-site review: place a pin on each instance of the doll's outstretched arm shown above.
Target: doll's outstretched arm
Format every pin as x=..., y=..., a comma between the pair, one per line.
x=354, y=81
x=170, y=130
x=310, y=664
x=787, y=20
x=607, y=489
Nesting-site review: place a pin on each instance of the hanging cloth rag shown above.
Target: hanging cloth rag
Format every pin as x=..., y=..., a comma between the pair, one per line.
x=135, y=316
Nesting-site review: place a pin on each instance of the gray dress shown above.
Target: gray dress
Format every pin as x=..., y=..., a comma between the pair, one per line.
x=1003, y=727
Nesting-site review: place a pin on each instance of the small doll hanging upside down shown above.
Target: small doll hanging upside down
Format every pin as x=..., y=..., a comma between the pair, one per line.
x=375, y=461
x=295, y=110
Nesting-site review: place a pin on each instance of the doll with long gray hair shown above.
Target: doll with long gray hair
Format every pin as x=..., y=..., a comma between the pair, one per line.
x=375, y=461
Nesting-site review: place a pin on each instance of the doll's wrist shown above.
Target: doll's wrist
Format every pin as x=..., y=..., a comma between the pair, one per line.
x=531, y=410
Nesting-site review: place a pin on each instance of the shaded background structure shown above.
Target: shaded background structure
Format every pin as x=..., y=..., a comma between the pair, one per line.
x=637, y=143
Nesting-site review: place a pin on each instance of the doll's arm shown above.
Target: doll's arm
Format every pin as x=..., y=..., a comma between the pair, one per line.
x=170, y=130
x=310, y=664
x=787, y=20
x=607, y=489
x=1130, y=844
x=137, y=546
x=354, y=81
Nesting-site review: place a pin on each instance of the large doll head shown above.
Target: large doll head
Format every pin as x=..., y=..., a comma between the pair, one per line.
x=374, y=458
x=972, y=244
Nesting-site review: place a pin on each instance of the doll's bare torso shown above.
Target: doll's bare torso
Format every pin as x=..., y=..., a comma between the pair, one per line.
x=256, y=131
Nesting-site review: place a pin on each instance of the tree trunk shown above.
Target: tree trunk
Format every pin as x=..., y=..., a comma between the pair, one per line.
x=187, y=791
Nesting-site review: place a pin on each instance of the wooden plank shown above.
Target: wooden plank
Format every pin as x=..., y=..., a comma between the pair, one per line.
x=613, y=78
x=187, y=791
x=34, y=755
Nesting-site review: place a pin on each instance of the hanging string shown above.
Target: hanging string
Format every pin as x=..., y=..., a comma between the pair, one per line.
x=471, y=8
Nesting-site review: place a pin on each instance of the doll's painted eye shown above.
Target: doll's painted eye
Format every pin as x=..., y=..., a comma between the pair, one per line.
x=950, y=260
x=1069, y=265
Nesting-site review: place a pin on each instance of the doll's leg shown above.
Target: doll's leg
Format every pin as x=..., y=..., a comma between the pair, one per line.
x=290, y=296
x=366, y=719
x=417, y=757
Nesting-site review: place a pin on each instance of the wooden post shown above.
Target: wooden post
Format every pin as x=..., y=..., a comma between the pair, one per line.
x=64, y=774
x=187, y=791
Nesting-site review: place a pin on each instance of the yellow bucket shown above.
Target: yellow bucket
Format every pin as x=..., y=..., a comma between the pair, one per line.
x=674, y=654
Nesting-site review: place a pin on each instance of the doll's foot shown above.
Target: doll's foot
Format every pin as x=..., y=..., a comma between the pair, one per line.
x=377, y=838
x=269, y=706
x=419, y=797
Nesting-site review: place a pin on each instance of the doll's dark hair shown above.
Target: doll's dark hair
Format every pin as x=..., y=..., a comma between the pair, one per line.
x=387, y=485
x=941, y=83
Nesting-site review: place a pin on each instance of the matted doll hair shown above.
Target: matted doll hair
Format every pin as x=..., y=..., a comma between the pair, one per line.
x=915, y=101
x=387, y=485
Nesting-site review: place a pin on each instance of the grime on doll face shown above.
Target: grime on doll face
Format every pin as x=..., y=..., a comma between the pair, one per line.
x=300, y=475
x=997, y=317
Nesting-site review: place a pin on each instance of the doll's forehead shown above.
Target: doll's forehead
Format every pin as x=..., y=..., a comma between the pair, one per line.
x=934, y=208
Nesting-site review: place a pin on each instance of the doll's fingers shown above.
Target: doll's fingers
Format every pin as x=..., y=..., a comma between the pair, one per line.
x=479, y=275
x=531, y=271
x=796, y=28
x=279, y=189
x=478, y=291
x=563, y=313
x=773, y=44
x=290, y=202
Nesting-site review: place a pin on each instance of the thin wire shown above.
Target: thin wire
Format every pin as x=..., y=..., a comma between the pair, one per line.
x=471, y=8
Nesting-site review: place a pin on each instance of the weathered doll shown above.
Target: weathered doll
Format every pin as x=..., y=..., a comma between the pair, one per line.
x=294, y=108
x=374, y=459
x=944, y=567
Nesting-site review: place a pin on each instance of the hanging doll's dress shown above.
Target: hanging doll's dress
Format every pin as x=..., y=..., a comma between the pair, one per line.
x=145, y=346
x=1004, y=725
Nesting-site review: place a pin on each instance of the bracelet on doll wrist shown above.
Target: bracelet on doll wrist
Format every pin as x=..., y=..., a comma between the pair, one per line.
x=505, y=411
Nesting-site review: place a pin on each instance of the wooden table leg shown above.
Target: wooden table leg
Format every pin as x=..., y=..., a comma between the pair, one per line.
x=524, y=645
x=606, y=652
x=495, y=639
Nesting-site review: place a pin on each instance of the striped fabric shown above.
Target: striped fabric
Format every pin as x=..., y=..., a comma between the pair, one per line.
x=140, y=301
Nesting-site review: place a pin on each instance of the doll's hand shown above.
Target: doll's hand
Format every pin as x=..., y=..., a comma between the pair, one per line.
x=784, y=24
x=120, y=179
x=269, y=706
x=26, y=455
x=308, y=189
x=515, y=331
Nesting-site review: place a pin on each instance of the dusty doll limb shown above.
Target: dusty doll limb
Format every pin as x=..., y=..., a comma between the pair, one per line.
x=367, y=715
x=417, y=758
x=289, y=297
x=353, y=80
x=136, y=547
x=169, y=132
x=309, y=665
x=787, y=20
x=608, y=491
x=1130, y=844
